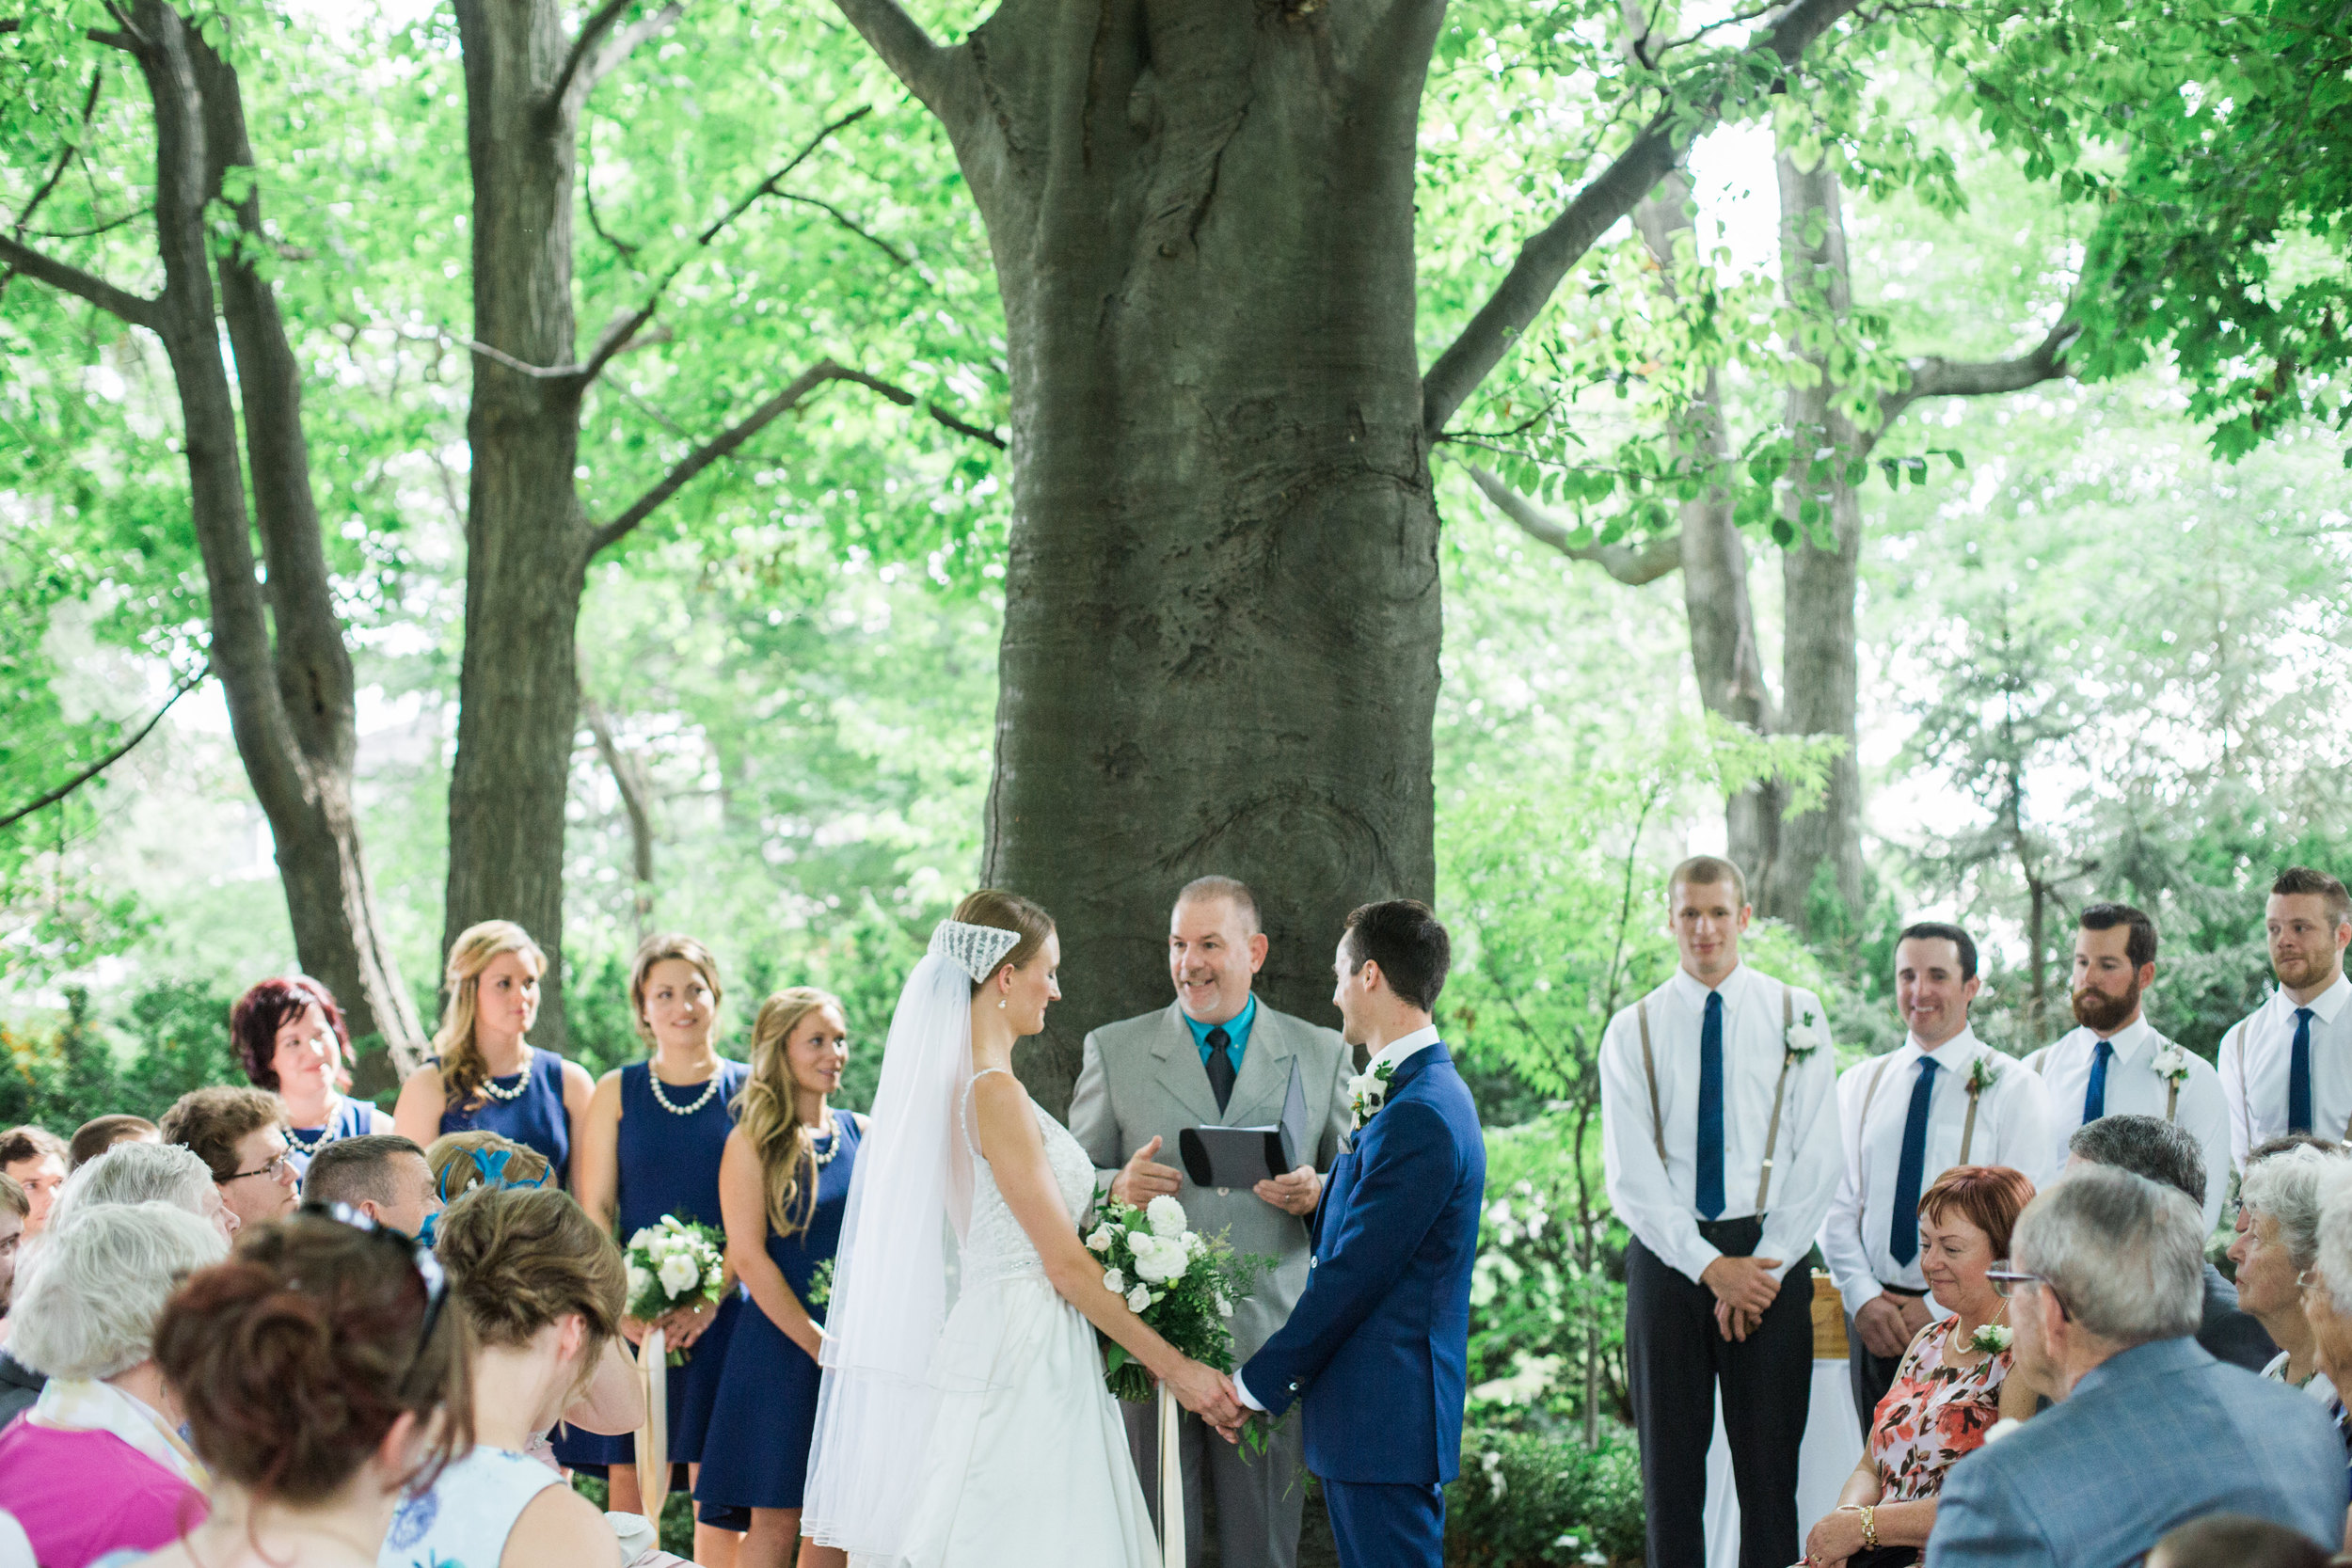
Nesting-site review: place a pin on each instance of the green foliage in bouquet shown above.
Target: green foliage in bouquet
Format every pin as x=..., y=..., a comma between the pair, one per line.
x=673, y=1264
x=1181, y=1282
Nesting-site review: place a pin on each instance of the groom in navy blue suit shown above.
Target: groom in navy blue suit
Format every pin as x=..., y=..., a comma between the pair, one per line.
x=1378, y=1345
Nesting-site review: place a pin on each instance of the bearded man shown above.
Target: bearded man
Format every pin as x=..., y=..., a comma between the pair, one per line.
x=2115, y=1064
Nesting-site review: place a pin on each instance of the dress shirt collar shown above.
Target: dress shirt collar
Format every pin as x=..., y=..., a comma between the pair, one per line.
x=2130, y=1042
x=1955, y=1055
x=2324, y=1007
x=1397, y=1050
x=1689, y=988
x=1236, y=1028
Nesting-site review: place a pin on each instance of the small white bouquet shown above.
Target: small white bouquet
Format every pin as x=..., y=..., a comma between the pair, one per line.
x=673, y=1265
x=1183, y=1283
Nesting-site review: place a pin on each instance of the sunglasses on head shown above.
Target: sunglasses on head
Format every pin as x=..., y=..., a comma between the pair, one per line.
x=420, y=1257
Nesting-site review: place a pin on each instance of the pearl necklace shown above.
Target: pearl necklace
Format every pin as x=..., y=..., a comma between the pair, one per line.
x=833, y=1147
x=293, y=1139
x=653, y=1081
x=489, y=1085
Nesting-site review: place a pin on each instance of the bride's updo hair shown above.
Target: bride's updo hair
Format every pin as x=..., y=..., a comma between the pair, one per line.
x=1007, y=911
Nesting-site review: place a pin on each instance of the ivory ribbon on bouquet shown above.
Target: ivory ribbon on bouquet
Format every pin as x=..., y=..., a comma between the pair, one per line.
x=1171, y=1483
x=653, y=1438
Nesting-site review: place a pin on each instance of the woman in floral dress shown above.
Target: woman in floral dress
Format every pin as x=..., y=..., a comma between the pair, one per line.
x=1953, y=1382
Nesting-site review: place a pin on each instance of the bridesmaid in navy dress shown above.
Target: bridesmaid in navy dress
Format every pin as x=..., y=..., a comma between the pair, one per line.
x=651, y=1148
x=292, y=1040
x=782, y=1185
x=485, y=1075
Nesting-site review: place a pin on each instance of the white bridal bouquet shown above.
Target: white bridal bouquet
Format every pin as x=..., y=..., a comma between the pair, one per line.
x=673, y=1264
x=1183, y=1283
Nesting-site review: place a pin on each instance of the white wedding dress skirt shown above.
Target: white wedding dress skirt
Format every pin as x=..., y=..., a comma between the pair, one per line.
x=1026, y=1465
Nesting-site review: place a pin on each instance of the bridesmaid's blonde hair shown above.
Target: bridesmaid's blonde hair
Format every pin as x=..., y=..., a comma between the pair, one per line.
x=464, y=1069
x=767, y=1109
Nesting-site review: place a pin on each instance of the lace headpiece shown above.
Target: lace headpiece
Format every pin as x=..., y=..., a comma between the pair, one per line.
x=976, y=949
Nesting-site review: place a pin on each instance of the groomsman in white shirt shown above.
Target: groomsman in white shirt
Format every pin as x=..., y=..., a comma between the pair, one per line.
x=1720, y=1143
x=1945, y=1099
x=2114, y=1064
x=2287, y=1065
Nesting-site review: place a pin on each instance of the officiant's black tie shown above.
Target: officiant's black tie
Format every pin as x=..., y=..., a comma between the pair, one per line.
x=1221, y=1065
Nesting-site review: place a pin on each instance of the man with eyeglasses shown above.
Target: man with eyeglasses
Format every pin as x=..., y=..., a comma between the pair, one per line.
x=241, y=1135
x=2150, y=1431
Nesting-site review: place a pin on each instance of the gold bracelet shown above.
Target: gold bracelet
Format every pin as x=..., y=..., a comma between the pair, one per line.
x=1869, y=1527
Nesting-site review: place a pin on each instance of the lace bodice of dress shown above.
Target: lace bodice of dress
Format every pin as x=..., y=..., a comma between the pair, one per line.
x=997, y=1247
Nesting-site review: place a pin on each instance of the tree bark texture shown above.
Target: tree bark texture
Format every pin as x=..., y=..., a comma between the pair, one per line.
x=290, y=697
x=1818, y=668
x=526, y=533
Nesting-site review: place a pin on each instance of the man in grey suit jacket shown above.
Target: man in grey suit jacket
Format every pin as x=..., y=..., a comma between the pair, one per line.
x=2151, y=1432
x=1220, y=1057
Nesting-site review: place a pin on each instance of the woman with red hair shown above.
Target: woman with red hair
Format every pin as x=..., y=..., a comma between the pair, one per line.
x=291, y=1038
x=1953, y=1382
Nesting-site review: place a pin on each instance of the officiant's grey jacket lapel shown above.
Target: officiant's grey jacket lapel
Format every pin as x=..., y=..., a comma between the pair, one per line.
x=1183, y=1076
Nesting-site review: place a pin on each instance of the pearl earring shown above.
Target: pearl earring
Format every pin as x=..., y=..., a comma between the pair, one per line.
x=1000, y=1003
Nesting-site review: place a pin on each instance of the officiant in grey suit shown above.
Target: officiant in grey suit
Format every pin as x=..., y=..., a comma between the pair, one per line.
x=1218, y=1056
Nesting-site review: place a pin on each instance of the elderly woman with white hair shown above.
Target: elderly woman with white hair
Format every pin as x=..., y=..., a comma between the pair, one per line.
x=147, y=1173
x=97, y=1465
x=2279, y=1205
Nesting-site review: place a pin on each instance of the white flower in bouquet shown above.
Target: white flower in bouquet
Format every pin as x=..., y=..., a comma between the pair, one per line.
x=714, y=1277
x=1101, y=1239
x=1158, y=1261
x=1114, y=1281
x=1166, y=1216
x=678, y=1273
x=1224, y=1306
x=640, y=1281
x=1194, y=1242
x=1138, y=1299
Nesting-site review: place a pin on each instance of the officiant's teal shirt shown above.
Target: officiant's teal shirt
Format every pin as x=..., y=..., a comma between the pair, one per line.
x=1236, y=1031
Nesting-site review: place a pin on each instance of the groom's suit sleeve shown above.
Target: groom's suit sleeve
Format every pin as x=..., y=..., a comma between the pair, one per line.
x=1394, y=1201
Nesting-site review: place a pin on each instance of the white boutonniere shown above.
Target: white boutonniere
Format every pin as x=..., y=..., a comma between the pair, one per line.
x=1983, y=1075
x=1805, y=1036
x=1367, y=1092
x=1992, y=1339
x=2171, y=1064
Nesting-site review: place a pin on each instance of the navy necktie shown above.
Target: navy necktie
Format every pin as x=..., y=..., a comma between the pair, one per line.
x=1903, y=1223
x=1221, y=1065
x=1710, y=1159
x=2299, y=1075
x=2095, y=1097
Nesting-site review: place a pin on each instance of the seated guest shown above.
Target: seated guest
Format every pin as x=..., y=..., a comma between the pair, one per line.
x=2328, y=1301
x=542, y=1289
x=101, y=1134
x=380, y=1175
x=321, y=1378
x=241, y=1135
x=18, y=1384
x=37, y=1160
x=97, y=1465
x=2150, y=1431
x=2170, y=1156
x=290, y=1036
x=2234, y=1540
x=1953, y=1382
x=460, y=1162
x=147, y=1173
x=2279, y=1204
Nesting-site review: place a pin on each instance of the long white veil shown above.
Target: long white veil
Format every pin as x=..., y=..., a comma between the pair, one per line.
x=909, y=1202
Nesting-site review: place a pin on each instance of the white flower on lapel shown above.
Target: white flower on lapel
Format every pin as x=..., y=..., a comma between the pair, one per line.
x=2171, y=1064
x=1367, y=1092
x=1805, y=1036
x=1983, y=1075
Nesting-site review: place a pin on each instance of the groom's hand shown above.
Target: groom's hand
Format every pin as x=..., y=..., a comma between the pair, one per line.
x=1141, y=1179
x=1294, y=1192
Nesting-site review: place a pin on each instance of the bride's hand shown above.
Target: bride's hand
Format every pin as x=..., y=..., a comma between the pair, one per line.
x=1206, y=1393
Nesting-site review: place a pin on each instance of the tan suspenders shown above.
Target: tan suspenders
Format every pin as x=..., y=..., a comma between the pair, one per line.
x=1862, y=1124
x=2246, y=1100
x=1780, y=1090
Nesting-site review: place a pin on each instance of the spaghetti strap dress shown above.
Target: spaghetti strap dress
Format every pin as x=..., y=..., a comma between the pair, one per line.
x=755, y=1452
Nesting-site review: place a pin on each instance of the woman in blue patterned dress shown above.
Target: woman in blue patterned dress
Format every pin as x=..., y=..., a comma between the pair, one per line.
x=292, y=1041
x=783, y=1184
x=651, y=1148
x=484, y=1074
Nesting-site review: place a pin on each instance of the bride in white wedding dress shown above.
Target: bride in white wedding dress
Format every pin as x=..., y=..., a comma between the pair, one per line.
x=981, y=1435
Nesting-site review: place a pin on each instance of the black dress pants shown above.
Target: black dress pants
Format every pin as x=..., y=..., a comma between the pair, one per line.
x=1676, y=1358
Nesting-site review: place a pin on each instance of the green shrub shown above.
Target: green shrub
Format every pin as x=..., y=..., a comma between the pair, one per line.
x=1530, y=1499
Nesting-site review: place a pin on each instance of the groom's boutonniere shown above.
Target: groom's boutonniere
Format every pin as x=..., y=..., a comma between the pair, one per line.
x=2171, y=1064
x=1983, y=1075
x=1805, y=1036
x=1367, y=1092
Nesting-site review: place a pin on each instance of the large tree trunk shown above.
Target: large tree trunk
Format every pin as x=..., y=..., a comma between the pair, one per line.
x=1221, y=650
x=1723, y=654
x=289, y=702
x=526, y=534
x=1818, y=672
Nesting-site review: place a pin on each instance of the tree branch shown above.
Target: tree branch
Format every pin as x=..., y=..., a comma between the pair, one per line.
x=904, y=399
x=520, y=367
x=1545, y=260
x=1937, y=377
x=851, y=225
x=65, y=153
x=594, y=55
x=1628, y=563
x=136, y=309
x=125, y=750
x=901, y=42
